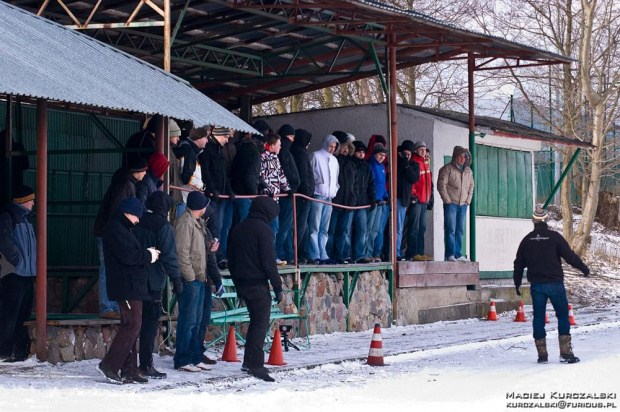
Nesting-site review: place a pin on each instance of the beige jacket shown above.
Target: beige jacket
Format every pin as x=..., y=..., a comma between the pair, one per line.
x=456, y=186
x=191, y=247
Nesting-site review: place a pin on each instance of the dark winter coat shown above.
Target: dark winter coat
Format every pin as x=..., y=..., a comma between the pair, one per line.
x=541, y=252
x=364, y=182
x=347, y=195
x=245, y=175
x=287, y=161
x=304, y=168
x=188, y=150
x=18, y=244
x=141, y=140
x=214, y=170
x=251, y=252
x=125, y=261
x=123, y=186
x=154, y=230
x=408, y=173
x=147, y=186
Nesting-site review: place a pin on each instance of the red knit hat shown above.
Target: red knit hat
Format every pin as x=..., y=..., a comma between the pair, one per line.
x=158, y=164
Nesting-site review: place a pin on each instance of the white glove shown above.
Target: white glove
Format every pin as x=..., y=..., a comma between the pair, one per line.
x=154, y=254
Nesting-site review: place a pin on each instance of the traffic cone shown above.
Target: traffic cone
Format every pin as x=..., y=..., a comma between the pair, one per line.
x=520, y=314
x=375, y=355
x=492, y=312
x=571, y=317
x=230, y=350
x=546, y=317
x=276, y=357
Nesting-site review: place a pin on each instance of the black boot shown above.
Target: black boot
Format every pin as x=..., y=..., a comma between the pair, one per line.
x=260, y=373
x=566, y=350
x=541, y=347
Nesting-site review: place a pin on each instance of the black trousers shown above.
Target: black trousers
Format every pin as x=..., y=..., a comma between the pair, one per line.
x=15, y=309
x=258, y=301
x=122, y=353
x=151, y=311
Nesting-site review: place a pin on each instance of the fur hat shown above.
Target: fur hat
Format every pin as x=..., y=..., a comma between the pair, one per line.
x=196, y=201
x=137, y=164
x=131, y=205
x=286, y=130
x=23, y=194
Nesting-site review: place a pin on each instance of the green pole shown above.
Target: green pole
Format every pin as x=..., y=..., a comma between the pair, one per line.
x=562, y=177
x=472, y=150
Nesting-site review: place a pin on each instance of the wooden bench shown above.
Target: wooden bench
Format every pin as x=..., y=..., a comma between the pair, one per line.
x=234, y=313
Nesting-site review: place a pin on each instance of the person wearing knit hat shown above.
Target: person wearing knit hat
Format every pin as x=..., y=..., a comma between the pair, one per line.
x=286, y=130
x=341, y=136
x=421, y=195
x=191, y=166
x=152, y=180
x=407, y=174
x=173, y=129
x=284, y=238
x=455, y=185
x=18, y=270
x=262, y=126
x=359, y=147
x=378, y=215
x=138, y=164
x=220, y=131
x=127, y=283
x=541, y=252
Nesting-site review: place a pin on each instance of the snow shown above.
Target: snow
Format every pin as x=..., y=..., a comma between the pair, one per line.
x=467, y=365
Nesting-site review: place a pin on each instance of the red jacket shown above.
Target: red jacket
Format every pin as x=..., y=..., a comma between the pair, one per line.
x=423, y=188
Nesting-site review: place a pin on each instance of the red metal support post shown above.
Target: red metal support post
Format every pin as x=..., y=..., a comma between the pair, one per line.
x=41, y=231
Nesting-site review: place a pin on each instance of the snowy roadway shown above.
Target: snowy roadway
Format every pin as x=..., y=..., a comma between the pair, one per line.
x=469, y=365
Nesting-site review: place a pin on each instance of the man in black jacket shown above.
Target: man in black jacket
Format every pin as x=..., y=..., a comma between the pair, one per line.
x=365, y=195
x=299, y=150
x=339, y=240
x=245, y=175
x=144, y=139
x=252, y=264
x=284, y=238
x=407, y=173
x=126, y=262
x=154, y=230
x=541, y=252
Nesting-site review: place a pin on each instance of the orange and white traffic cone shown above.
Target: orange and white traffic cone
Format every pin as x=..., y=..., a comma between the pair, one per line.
x=276, y=357
x=546, y=317
x=520, y=314
x=571, y=316
x=492, y=312
x=375, y=355
x=230, y=350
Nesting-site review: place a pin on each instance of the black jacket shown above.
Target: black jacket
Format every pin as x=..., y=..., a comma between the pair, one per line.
x=125, y=261
x=346, y=194
x=123, y=186
x=147, y=186
x=304, y=168
x=287, y=161
x=245, y=175
x=251, y=252
x=154, y=230
x=364, y=182
x=189, y=151
x=214, y=170
x=541, y=252
x=407, y=173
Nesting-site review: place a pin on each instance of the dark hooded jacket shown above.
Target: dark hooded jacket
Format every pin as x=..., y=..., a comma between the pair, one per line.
x=147, y=186
x=245, y=175
x=364, y=182
x=287, y=161
x=125, y=261
x=407, y=173
x=144, y=139
x=347, y=195
x=214, y=170
x=302, y=160
x=123, y=186
x=251, y=252
x=154, y=230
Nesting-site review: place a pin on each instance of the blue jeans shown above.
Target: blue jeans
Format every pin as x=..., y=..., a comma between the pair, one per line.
x=206, y=318
x=376, y=224
x=401, y=211
x=105, y=305
x=556, y=293
x=226, y=223
x=275, y=227
x=318, y=225
x=303, y=212
x=454, y=226
x=339, y=243
x=385, y=215
x=191, y=307
x=360, y=223
x=242, y=206
x=284, y=239
x=417, y=229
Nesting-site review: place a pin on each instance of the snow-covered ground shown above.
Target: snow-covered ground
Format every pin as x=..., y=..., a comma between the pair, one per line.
x=468, y=365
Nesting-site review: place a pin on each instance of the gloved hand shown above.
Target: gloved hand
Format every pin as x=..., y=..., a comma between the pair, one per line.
x=290, y=194
x=279, y=296
x=518, y=292
x=587, y=272
x=177, y=286
x=215, y=196
x=154, y=254
x=219, y=290
x=270, y=194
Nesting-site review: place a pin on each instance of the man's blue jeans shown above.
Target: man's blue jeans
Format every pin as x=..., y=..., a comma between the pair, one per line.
x=556, y=293
x=339, y=242
x=275, y=227
x=375, y=230
x=303, y=212
x=318, y=226
x=284, y=239
x=105, y=304
x=226, y=223
x=242, y=206
x=417, y=229
x=385, y=215
x=191, y=307
x=360, y=223
x=207, y=304
x=401, y=212
x=454, y=226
